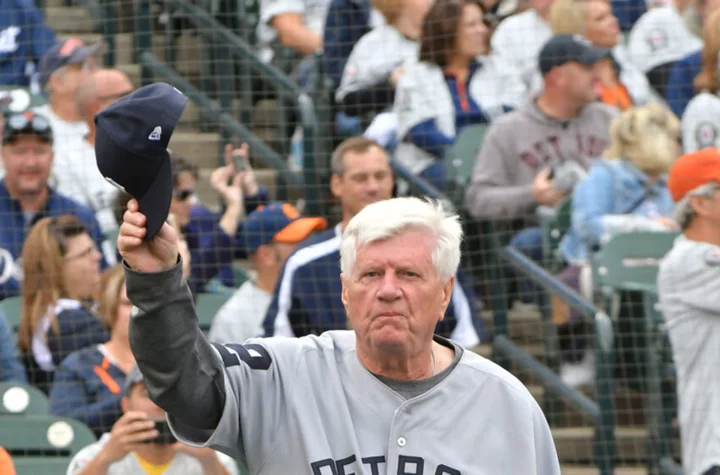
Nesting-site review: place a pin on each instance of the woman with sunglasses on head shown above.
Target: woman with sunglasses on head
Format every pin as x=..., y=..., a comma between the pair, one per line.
x=88, y=383
x=61, y=266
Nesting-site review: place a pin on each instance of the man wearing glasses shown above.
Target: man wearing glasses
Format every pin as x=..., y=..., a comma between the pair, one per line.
x=75, y=170
x=26, y=196
x=61, y=71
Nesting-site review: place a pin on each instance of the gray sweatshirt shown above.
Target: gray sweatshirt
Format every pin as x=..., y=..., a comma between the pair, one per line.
x=522, y=143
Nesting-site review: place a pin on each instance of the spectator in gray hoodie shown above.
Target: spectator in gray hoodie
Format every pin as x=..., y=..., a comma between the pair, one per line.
x=534, y=155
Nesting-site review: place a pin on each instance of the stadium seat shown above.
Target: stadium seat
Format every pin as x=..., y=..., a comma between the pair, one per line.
x=554, y=223
x=460, y=158
x=31, y=436
x=23, y=98
x=207, y=305
x=22, y=399
x=41, y=465
x=12, y=308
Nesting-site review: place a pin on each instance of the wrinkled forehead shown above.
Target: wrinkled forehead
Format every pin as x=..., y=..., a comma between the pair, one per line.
x=412, y=244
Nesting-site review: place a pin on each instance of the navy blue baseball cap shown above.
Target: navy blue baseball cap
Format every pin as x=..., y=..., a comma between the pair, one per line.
x=563, y=49
x=70, y=51
x=278, y=222
x=131, y=147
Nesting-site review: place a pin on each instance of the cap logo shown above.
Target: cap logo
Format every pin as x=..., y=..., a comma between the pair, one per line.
x=156, y=134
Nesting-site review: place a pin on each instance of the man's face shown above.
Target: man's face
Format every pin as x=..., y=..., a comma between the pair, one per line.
x=393, y=296
x=181, y=203
x=109, y=92
x=66, y=81
x=708, y=208
x=139, y=400
x=367, y=179
x=579, y=81
x=27, y=160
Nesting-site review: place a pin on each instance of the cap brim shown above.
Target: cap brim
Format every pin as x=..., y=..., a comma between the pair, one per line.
x=300, y=229
x=155, y=204
x=593, y=55
x=82, y=53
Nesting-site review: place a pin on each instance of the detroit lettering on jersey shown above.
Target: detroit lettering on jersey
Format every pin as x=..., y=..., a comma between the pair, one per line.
x=407, y=465
x=550, y=149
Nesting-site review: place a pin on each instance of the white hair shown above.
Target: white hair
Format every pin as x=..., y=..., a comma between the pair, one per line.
x=385, y=219
x=684, y=212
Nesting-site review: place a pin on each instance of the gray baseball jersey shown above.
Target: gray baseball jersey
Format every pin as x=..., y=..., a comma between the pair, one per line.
x=688, y=286
x=307, y=405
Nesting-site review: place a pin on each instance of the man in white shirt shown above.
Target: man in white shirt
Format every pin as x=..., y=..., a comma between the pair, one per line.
x=688, y=287
x=517, y=41
x=296, y=24
x=141, y=443
x=270, y=234
x=61, y=71
x=75, y=171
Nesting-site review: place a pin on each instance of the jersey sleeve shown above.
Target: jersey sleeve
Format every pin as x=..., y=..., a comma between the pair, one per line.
x=257, y=374
x=546, y=458
x=84, y=457
x=690, y=278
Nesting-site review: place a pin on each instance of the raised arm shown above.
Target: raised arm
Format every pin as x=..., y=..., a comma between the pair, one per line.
x=182, y=373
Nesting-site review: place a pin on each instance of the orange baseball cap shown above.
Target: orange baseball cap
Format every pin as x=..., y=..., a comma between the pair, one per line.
x=692, y=170
x=278, y=222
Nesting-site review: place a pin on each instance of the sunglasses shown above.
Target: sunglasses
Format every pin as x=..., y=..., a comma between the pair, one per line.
x=182, y=195
x=22, y=122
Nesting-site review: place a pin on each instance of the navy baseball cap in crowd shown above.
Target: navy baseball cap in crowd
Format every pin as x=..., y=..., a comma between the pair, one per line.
x=131, y=147
x=70, y=51
x=563, y=49
x=278, y=222
x=25, y=123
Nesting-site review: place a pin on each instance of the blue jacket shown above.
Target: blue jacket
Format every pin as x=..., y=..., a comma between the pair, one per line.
x=307, y=296
x=613, y=198
x=78, y=328
x=11, y=370
x=87, y=387
x=24, y=38
x=14, y=229
x=680, y=87
x=628, y=12
x=211, y=250
x=345, y=23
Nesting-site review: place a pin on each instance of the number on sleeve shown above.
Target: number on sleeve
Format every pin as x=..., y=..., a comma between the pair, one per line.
x=253, y=355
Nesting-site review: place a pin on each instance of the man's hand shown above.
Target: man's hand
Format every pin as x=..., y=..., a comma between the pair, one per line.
x=230, y=191
x=205, y=455
x=158, y=254
x=543, y=191
x=127, y=435
x=247, y=180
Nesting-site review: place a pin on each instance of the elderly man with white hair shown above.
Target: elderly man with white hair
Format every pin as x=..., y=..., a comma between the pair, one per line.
x=386, y=397
x=689, y=290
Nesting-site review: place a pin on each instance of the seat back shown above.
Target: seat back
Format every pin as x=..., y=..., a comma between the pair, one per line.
x=41, y=465
x=23, y=98
x=460, y=158
x=12, y=308
x=17, y=399
x=44, y=435
x=207, y=305
x=632, y=259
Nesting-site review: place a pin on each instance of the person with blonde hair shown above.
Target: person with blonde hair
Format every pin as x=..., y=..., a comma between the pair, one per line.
x=61, y=267
x=620, y=83
x=701, y=119
x=624, y=191
x=88, y=383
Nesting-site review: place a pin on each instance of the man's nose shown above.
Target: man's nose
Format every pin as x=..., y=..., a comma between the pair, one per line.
x=389, y=289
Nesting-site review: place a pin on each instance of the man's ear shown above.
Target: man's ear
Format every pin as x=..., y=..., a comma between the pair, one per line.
x=343, y=294
x=447, y=292
x=124, y=404
x=336, y=186
x=699, y=205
